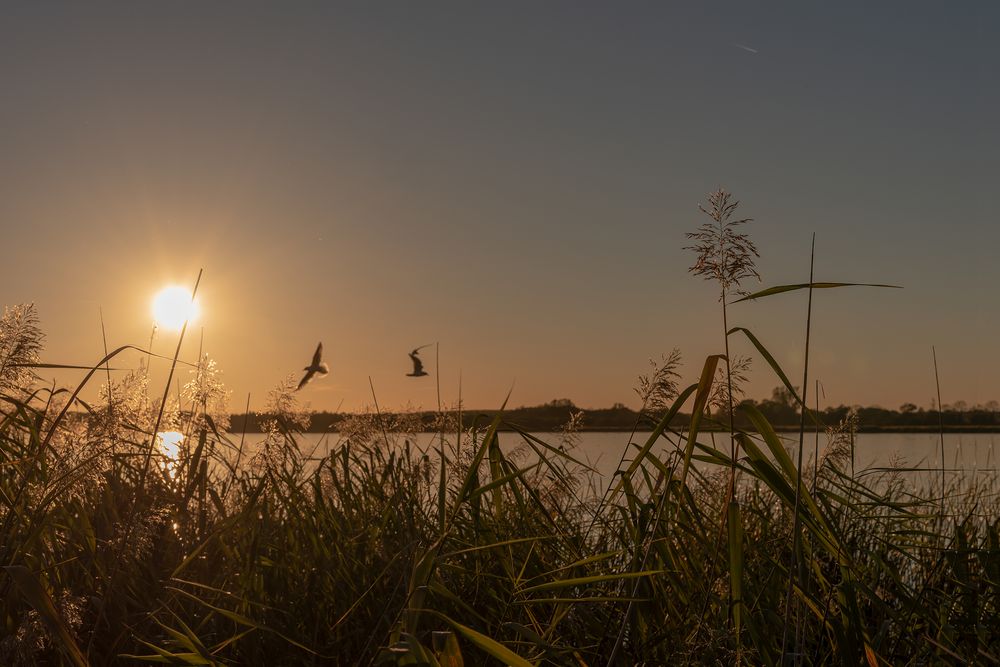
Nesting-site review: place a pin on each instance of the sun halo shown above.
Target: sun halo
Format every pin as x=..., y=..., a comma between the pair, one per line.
x=173, y=306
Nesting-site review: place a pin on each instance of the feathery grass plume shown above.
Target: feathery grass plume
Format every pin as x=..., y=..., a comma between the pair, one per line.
x=132, y=407
x=207, y=395
x=724, y=254
x=839, y=452
x=32, y=644
x=358, y=428
x=446, y=420
x=283, y=403
x=366, y=428
x=407, y=422
x=659, y=389
x=20, y=342
x=282, y=421
x=569, y=433
x=739, y=372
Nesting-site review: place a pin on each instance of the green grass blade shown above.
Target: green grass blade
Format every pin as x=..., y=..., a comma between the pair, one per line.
x=486, y=644
x=698, y=410
x=586, y=581
x=770, y=360
x=781, y=289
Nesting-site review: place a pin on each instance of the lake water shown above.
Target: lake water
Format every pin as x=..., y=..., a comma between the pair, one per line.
x=965, y=453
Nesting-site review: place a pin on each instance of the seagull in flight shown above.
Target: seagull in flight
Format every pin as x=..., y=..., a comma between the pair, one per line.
x=318, y=366
x=418, y=366
x=746, y=48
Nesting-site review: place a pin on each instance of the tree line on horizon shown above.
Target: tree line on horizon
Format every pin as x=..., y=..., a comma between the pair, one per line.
x=780, y=409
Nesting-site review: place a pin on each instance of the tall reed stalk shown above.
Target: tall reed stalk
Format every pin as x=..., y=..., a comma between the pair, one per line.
x=940, y=411
x=726, y=256
x=793, y=569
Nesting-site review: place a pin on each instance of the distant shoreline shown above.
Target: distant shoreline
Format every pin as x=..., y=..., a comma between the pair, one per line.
x=553, y=417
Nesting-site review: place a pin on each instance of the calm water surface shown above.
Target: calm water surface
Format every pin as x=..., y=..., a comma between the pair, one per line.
x=968, y=453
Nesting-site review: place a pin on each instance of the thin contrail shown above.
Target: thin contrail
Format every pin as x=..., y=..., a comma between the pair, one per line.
x=745, y=48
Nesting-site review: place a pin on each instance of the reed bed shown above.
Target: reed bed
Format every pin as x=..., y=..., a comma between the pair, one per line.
x=488, y=547
x=480, y=550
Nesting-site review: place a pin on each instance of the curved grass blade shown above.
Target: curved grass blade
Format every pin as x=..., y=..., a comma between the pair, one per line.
x=484, y=643
x=698, y=410
x=781, y=289
x=770, y=360
x=240, y=619
x=586, y=581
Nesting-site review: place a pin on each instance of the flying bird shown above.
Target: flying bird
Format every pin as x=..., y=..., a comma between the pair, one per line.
x=418, y=366
x=745, y=48
x=318, y=366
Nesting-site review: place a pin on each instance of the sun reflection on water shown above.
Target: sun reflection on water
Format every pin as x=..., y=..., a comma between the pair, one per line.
x=169, y=444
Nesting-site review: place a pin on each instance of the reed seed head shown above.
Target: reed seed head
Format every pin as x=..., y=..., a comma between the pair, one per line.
x=723, y=253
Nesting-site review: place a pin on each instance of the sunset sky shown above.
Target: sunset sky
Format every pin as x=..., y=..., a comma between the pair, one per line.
x=511, y=180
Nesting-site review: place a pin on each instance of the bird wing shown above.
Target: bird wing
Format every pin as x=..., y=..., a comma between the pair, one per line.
x=418, y=365
x=305, y=379
x=318, y=355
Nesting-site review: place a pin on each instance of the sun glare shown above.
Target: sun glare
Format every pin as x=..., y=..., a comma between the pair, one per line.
x=173, y=306
x=169, y=444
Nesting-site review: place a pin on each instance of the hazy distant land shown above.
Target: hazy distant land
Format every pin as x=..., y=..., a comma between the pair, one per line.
x=782, y=414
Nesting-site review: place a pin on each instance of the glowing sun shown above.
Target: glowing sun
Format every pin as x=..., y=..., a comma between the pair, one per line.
x=173, y=306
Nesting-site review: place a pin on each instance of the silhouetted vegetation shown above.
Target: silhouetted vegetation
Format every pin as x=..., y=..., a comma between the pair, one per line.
x=780, y=410
x=489, y=547
x=138, y=529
